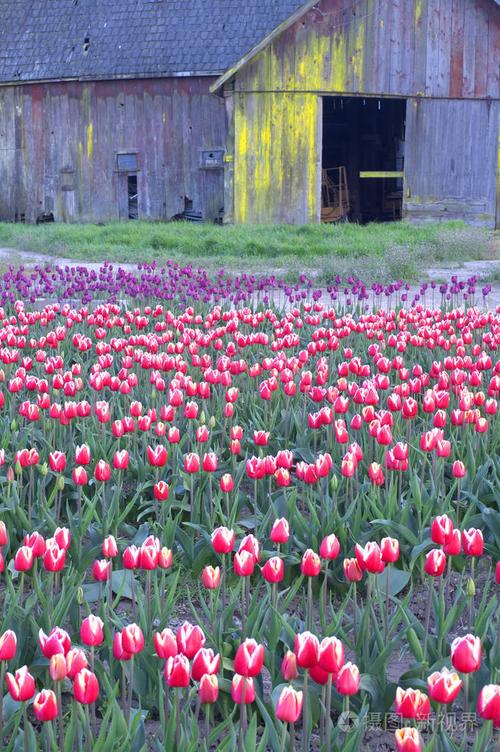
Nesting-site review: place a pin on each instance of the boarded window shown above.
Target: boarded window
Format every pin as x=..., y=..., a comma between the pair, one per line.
x=126, y=162
x=212, y=159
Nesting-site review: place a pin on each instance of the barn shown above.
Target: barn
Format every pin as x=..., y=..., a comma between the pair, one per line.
x=251, y=111
x=105, y=105
x=368, y=109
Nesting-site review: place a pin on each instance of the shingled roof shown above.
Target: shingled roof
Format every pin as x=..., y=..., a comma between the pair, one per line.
x=44, y=40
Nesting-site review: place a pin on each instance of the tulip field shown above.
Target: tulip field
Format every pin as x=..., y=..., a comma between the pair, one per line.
x=240, y=516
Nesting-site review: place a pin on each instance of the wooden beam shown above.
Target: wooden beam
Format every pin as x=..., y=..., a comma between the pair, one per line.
x=383, y=174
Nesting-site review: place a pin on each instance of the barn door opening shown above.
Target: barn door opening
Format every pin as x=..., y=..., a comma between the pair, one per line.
x=363, y=159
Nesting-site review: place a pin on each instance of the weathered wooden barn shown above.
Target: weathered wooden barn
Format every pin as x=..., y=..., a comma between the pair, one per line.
x=402, y=94
x=105, y=105
x=250, y=110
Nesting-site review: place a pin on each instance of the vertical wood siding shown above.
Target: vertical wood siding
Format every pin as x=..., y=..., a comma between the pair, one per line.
x=441, y=55
x=49, y=130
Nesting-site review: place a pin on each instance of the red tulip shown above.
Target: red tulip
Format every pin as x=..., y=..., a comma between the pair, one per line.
x=121, y=459
x=289, y=705
x=458, y=469
x=273, y=570
x=331, y=655
x=242, y=690
x=466, y=654
x=223, y=540
x=330, y=547
x=91, y=630
x=101, y=570
x=389, y=548
x=261, y=438
x=165, y=643
x=21, y=685
x=210, y=577
x=204, y=662
x=488, y=704
x=209, y=689
x=210, y=462
x=497, y=573
x=191, y=463
x=244, y=564
x=249, y=658
x=75, y=661
x=311, y=564
x=352, y=570
x=435, y=563
x=177, y=671
x=4, y=537
x=102, y=471
x=289, y=666
x=444, y=686
x=131, y=557
x=157, y=456
x=119, y=652
x=453, y=545
x=369, y=557
x=80, y=477
x=190, y=638
x=8, y=645
x=62, y=537
x=306, y=649
x=280, y=532
x=441, y=529
x=23, y=559
x=408, y=740
x=376, y=474
x=45, y=706
x=82, y=455
x=36, y=542
x=412, y=703
x=148, y=557
x=85, y=687
x=109, y=547
x=57, y=461
x=161, y=491
x=57, y=641
x=251, y=544
x=54, y=558
x=132, y=639
x=226, y=483
x=58, y=668
x=348, y=679
x=472, y=542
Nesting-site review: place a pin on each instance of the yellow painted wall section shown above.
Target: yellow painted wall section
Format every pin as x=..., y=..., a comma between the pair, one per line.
x=276, y=157
x=90, y=140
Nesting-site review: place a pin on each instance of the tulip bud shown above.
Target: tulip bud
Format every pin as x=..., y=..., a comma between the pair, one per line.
x=8, y=645
x=209, y=689
x=177, y=671
x=45, y=706
x=311, y=564
x=57, y=667
x=289, y=666
x=348, y=679
x=470, y=588
x=210, y=577
x=466, y=654
x=289, y=705
x=249, y=658
x=85, y=687
x=21, y=685
x=242, y=690
x=408, y=740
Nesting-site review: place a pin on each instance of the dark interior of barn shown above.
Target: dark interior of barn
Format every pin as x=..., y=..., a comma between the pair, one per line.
x=363, y=159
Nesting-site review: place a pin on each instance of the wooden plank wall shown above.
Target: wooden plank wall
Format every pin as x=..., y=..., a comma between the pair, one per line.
x=451, y=160
x=433, y=48
x=441, y=55
x=79, y=127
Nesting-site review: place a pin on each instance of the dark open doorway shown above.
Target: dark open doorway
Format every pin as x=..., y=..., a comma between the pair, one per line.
x=363, y=159
x=133, y=208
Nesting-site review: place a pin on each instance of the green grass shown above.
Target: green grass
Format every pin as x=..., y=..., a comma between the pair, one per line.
x=378, y=251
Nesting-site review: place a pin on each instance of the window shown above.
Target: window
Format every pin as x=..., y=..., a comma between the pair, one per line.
x=126, y=162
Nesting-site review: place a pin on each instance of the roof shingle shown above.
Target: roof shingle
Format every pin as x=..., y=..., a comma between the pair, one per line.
x=42, y=40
